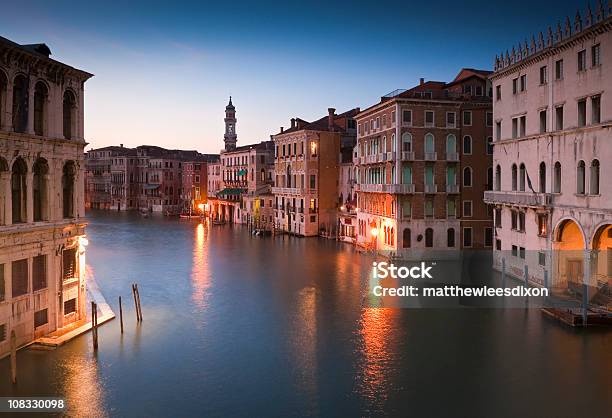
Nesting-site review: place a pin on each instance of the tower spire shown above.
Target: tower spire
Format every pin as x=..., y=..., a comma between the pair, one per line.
x=230, y=138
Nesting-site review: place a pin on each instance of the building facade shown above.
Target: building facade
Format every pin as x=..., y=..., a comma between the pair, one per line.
x=306, y=170
x=42, y=227
x=423, y=163
x=553, y=126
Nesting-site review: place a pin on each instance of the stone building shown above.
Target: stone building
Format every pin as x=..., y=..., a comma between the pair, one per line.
x=552, y=154
x=423, y=164
x=195, y=182
x=42, y=229
x=306, y=165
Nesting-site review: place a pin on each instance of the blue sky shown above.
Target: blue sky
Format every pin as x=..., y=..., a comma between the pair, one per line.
x=164, y=70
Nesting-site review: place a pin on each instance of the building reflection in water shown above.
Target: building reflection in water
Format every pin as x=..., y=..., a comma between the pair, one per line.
x=377, y=346
x=200, y=273
x=304, y=348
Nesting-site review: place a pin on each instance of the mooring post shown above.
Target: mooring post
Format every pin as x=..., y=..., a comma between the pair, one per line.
x=121, y=314
x=13, y=357
x=139, y=305
x=135, y=302
x=94, y=330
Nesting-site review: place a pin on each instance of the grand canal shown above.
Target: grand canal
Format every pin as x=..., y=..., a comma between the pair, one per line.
x=242, y=326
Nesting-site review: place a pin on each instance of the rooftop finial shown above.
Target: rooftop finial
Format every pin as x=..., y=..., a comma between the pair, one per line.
x=600, y=11
x=588, y=21
x=568, y=27
x=577, y=22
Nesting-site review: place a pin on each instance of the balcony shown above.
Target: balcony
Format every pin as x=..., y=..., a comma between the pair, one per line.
x=407, y=156
x=452, y=188
x=385, y=188
x=452, y=156
x=519, y=198
x=431, y=188
x=431, y=156
x=373, y=188
x=293, y=191
x=400, y=188
x=371, y=159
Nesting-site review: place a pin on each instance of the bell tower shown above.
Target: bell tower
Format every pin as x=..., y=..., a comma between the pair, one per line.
x=230, y=138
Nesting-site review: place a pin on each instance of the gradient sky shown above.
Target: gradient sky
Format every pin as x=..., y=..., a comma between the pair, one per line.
x=164, y=70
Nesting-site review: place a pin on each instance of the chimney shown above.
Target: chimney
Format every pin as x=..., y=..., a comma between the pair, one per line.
x=421, y=81
x=282, y=129
x=330, y=118
x=121, y=145
x=293, y=122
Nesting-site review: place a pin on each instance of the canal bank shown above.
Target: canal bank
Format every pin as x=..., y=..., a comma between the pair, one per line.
x=236, y=324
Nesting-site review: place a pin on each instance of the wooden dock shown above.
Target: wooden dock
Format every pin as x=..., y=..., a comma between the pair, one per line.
x=574, y=319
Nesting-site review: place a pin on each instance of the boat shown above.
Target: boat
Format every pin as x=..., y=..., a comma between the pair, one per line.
x=217, y=222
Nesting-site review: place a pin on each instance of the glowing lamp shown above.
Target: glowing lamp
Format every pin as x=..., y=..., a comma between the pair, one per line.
x=374, y=232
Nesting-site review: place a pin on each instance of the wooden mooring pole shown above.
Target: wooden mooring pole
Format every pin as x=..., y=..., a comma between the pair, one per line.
x=135, y=302
x=121, y=314
x=139, y=305
x=13, y=357
x=94, y=325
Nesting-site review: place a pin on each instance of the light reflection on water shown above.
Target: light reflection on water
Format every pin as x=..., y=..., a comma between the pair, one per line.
x=235, y=324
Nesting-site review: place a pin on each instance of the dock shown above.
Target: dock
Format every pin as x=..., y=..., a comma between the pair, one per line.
x=573, y=318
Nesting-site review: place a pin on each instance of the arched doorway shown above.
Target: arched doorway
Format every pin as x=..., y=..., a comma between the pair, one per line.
x=569, y=246
x=601, y=264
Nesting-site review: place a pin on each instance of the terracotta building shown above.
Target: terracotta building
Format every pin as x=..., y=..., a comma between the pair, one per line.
x=42, y=226
x=423, y=164
x=552, y=154
x=307, y=160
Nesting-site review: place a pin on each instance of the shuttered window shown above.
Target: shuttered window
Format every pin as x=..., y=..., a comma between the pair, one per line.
x=39, y=272
x=70, y=266
x=40, y=318
x=20, y=277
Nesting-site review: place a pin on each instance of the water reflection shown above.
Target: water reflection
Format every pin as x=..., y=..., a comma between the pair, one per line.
x=200, y=273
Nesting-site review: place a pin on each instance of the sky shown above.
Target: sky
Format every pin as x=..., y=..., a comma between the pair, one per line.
x=164, y=70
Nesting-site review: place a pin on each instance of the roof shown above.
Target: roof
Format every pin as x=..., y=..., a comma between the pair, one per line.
x=259, y=146
x=41, y=52
x=321, y=124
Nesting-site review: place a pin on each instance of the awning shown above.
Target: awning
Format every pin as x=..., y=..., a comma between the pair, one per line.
x=231, y=191
x=151, y=186
x=242, y=172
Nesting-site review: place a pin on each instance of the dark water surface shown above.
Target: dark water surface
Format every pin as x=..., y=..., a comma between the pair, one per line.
x=241, y=326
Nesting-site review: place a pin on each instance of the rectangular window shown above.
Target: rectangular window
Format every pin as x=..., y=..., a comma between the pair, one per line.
x=522, y=252
x=313, y=181
x=19, y=277
x=2, y=284
x=467, y=208
x=40, y=318
x=489, y=120
x=514, y=85
x=523, y=125
x=39, y=272
x=543, y=75
x=467, y=118
x=514, y=220
x=69, y=264
x=488, y=237
x=582, y=112
x=69, y=306
x=429, y=118
x=559, y=70
x=523, y=82
x=450, y=119
x=559, y=118
x=429, y=208
x=595, y=110
x=521, y=219
x=542, y=225
x=498, y=130
x=2, y=332
x=542, y=258
x=582, y=60
x=450, y=208
x=595, y=55
x=467, y=237
x=514, y=128
x=543, y=117
x=514, y=251
x=478, y=90
x=498, y=218
x=498, y=93
x=407, y=116
x=498, y=244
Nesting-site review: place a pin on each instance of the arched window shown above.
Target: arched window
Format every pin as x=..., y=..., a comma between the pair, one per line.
x=450, y=237
x=542, y=177
x=451, y=145
x=288, y=176
x=392, y=236
x=406, y=142
x=594, y=177
x=522, y=177
x=498, y=178
x=429, y=237
x=3, y=89
x=393, y=142
x=262, y=175
x=467, y=176
x=3, y=168
x=557, y=183
x=39, y=190
x=18, y=191
x=69, y=112
x=68, y=185
x=20, y=104
x=467, y=145
x=406, y=238
x=40, y=107
x=580, y=178
x=429, y=143
x=514, y=177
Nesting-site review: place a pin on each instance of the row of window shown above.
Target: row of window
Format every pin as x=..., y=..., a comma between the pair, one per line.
x=429, y=117
x=375, y=207
x=389, y=236
x=378, y=175
x=372, y=146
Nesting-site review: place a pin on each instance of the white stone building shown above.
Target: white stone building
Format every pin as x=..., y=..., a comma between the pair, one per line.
x=42, y=230
x=552, y=153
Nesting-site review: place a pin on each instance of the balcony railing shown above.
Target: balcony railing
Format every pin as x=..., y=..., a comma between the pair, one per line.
x=519, y=198
x=431, y=156
x=385, y=188
x=431, y=188
x=452, y=156
x=452, y=188
x=296, y=191
x=391, y=156
x=400, y=188
x=407, y=156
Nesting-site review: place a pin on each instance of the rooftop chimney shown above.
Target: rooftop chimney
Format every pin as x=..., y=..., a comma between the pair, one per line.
x=421, y=81
x=282, y=129
x=293, y=122
x=121, y=145
x=330, y=118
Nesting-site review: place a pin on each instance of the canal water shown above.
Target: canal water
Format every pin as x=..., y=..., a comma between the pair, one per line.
x=242, y=326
